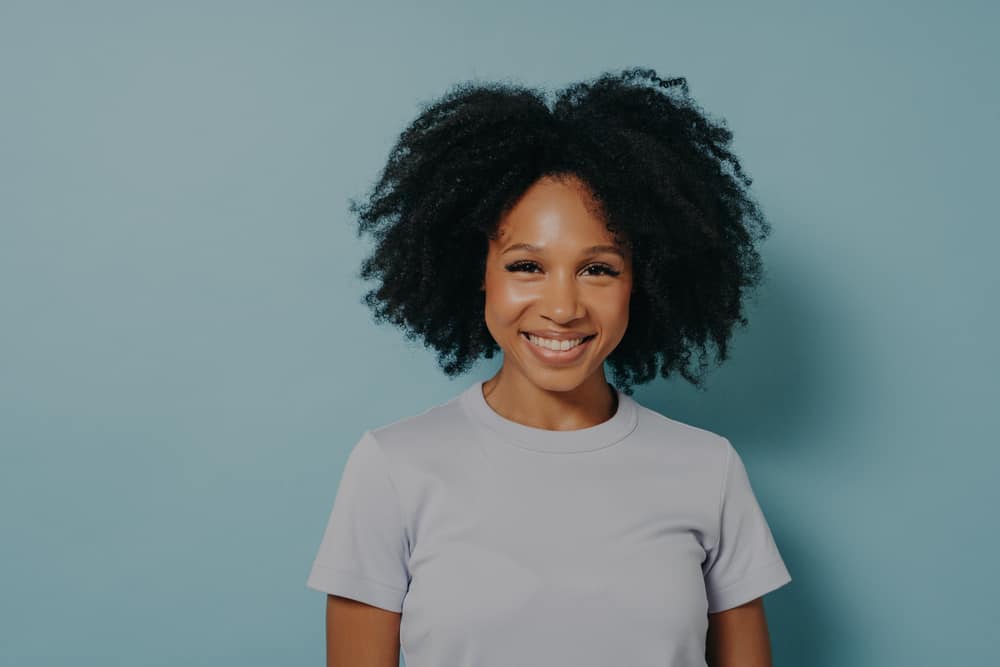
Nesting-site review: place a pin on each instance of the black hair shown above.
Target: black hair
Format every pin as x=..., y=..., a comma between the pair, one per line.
x=660, y=170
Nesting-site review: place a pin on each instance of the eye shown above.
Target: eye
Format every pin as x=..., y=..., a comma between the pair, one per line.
x=521, y=266
x=603, y=268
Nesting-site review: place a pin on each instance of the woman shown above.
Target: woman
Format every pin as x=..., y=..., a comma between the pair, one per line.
x=543, y=516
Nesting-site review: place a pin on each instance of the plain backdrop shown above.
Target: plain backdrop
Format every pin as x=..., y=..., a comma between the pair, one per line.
x=185, y=361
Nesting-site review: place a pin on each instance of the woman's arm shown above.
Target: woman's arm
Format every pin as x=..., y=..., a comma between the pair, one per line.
x=738, y=637
x=360, y=635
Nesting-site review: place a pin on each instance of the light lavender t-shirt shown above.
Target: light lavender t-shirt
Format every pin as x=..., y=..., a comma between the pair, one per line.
x=504, y=544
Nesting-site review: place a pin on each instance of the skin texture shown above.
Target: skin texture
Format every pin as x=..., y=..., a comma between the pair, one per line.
x=561, y=286
x=738, y=637
x=360, y=635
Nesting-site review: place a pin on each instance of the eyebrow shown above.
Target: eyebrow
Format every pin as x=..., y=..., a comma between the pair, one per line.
x=592, y=250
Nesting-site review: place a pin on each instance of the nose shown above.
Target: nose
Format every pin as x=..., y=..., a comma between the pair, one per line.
x=561, y=299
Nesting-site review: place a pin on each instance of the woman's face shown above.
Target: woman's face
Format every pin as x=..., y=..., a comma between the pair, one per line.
x=556, y=270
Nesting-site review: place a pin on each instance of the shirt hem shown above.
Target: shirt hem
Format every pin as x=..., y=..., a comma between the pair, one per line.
x=356, y=587
x=753, y=585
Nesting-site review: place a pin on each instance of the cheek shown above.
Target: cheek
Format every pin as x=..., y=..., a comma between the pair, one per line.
x=506, y=300
x=616, y=311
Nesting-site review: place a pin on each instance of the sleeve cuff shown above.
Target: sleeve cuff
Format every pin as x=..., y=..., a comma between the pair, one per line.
x=753, y=585
x=356, y=587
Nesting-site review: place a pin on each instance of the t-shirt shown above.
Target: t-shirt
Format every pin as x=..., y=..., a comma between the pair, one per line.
x=503, y=544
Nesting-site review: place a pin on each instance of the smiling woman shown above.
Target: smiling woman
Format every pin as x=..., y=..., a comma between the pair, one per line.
x=543, y=516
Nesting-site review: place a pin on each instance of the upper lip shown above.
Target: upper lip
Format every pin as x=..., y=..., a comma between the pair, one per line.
x=557, y=335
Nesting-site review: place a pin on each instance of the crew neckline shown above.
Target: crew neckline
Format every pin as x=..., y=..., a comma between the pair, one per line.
x=608, y=432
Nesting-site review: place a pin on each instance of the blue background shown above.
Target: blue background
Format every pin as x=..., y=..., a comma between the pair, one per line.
x=185, y=361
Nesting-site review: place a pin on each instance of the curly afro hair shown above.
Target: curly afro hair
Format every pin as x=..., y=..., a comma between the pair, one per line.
x=660, y=171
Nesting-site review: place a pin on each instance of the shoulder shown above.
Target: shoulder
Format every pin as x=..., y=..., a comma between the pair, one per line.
x=682, y=441
x=425, y=434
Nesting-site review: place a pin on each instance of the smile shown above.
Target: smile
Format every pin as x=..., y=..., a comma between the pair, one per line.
x=557, y=345
x=556, y=351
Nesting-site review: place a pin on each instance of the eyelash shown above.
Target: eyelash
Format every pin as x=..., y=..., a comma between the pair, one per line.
x=517, y=266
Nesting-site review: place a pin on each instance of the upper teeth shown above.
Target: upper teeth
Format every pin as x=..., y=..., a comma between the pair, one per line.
x=554, y=344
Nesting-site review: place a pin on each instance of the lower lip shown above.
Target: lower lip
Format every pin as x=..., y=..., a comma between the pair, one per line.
x=557, y=356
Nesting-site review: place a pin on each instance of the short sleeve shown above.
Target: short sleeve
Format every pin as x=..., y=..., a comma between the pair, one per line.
x=364, y=553
x=745, y=563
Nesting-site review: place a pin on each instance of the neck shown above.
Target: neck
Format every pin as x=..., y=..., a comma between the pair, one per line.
x=519, y=399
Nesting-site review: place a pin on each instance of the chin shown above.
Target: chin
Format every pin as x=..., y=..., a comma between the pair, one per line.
x=557, y=379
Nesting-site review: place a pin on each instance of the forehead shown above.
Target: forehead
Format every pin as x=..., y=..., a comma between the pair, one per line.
x=555, y=212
